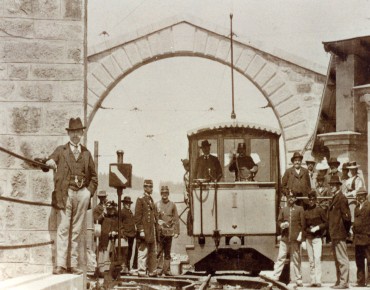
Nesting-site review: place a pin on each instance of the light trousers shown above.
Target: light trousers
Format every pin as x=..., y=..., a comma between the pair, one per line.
x=147, y=257
x=314, y=252
x=295, y=256
x=72, y=218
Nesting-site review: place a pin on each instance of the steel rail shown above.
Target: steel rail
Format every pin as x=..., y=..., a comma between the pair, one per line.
x=29, y=202
x=39, y=164
x=14, y=247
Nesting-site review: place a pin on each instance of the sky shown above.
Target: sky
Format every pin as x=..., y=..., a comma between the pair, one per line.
x=149, y=112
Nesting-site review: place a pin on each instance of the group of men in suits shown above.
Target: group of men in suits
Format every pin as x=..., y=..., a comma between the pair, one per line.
x=305, y=225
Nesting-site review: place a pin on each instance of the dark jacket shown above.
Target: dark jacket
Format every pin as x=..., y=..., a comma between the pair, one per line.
x=62, y=175
x=298, y=183
x=109, y=224
x=128, y=228
x=98, y=213
x=146, y=217
x=361, y=225
x=339, y=217
x=208, y=168
x=315, y=216
x=294, y=216
x=167, y=212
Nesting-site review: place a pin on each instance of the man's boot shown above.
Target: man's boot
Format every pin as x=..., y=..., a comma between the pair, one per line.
x=167, y=267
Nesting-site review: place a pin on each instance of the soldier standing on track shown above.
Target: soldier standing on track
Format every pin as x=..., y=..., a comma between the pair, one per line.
x=75, y=182
x=146, y=225
x=168, y=220
x=361, y=231
x=339, y=220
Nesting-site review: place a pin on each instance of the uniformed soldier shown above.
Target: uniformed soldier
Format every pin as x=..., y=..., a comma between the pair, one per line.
x=169, y=227
x=243, y=165
x=146, y=225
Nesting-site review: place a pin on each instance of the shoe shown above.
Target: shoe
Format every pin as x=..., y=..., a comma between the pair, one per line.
x=318, y=285
x=153, y=274
x=299, y=285
x=313, y=285
x=359, y=285
x=141, y=274
x=59, y=270
x=76, y=271
x=168, y=274
x=339, y=287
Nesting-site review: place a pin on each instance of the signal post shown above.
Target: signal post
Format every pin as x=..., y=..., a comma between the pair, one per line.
x=119, y=178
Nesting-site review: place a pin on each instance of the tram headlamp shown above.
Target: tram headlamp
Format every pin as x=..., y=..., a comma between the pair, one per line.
x=235, y=243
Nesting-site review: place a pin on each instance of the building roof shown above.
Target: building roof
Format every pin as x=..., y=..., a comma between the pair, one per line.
x=359, y=46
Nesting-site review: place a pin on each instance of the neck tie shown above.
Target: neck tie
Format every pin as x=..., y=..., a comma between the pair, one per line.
x=76, y=153
x=206, y=156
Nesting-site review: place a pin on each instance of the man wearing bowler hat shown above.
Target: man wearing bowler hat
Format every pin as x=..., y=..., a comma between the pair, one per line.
x=334, y=164
x=207, y=166
x=296, y=178
x=244, y=167
x=169, y=227
x=361, y=238
x=339, y=221
x=75, y=182
x=146, y=224
x=311, y=173
x=128, y=230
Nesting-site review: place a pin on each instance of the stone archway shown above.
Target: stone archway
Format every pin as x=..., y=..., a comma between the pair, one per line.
x=292, y=86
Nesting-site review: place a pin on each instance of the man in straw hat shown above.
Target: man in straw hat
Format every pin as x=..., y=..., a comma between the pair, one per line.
x=146, y=224
x=361, y=238
x=339, y=221
x=296, y=178
x=355, y=182
x=75, y=182
x=169, y=227
x=207, y=166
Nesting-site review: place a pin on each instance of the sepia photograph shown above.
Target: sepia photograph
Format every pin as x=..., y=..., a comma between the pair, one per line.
x=184, y=144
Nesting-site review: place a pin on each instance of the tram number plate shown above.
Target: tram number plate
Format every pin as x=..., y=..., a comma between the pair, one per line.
x=120, y=175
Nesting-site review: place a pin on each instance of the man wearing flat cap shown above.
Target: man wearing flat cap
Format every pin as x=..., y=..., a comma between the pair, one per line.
x=75, y=182
x=339, y=221
x=146, y=224
x=207, y=166
x=361, y=237
x=296, y=178
x=128, y=230
x=244, y=167
x=169, y=227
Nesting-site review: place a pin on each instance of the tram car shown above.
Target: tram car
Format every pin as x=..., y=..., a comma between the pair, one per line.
x=232, y=222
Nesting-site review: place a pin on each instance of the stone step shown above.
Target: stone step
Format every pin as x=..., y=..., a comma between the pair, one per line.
x=44, y=282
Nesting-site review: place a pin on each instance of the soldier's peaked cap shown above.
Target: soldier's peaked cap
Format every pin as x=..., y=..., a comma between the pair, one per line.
x=164, y=188
x=148, y=182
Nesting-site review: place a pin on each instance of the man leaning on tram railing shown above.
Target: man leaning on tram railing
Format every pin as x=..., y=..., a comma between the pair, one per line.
x=338, y=187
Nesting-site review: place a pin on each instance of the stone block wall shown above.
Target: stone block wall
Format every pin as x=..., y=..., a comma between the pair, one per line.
x=41, y=87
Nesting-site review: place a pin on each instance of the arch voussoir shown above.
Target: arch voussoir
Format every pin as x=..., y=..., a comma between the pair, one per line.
x=95, y=85
x=166, y=41
x=266, y=74
x=143, y=47
x=121, y=58
x=102, y=75
x=223, y=51
x=255, y=66
x=200, y=41
x=132, y=53
x=112, y=67
x=212, y=45
x=183, y=37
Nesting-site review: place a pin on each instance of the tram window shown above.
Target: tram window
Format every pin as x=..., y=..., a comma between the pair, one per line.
x=213, y=147
x=230, y=147
x=261, y=149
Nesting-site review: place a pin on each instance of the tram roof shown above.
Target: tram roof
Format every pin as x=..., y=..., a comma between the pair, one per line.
x=226, y=125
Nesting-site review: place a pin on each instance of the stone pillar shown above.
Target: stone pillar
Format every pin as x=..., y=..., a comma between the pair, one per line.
x=366, y=99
